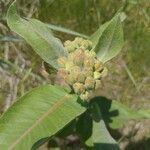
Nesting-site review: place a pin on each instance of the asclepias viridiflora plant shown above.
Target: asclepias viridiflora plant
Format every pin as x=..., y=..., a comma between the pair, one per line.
x=50, y=110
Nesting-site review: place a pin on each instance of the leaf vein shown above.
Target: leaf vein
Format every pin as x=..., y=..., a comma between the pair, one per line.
x=49, y=111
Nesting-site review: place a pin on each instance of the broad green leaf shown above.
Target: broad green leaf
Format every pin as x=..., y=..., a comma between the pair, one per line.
x=102, y=139
x=95, y=37
x=108, y=39
x=116, y=114
x=39, y=114
x=37, y=34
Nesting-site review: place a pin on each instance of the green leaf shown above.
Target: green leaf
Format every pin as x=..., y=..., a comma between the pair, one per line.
x=37, y=34
x=116, y=114
x=102, y=139
x=39, y=114
x=84, y=126
x=95, y=37
x=108, y=39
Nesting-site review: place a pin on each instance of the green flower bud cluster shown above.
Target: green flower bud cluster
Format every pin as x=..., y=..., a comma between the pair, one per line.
x=81, y=69
x=78, y=43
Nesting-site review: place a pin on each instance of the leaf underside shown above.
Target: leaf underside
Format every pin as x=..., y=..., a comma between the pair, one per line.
x=108, y=39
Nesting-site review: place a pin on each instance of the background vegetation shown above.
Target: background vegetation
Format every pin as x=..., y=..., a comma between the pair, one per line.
x=129, y=74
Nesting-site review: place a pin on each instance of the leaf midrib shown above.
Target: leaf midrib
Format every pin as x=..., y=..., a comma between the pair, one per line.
x=36, y=123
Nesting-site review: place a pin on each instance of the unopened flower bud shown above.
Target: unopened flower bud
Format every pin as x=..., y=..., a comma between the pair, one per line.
x=70, y=48
x=85, y=44
x=75, y=69
x=89, y=62
x=61, y=61
x=89, y=83
x=97, y=75
x=90, y=54
x=98, y=65
x=97, y=84
x=81, y=77
x=74, y=74
x=78, y=41
x=85, y=96
x=69, y=65
x=75, y=44
x=78, y=88
x=78, y=57
x=67, y=43
x=88, y=72
x=71, y=79
x=81, y=69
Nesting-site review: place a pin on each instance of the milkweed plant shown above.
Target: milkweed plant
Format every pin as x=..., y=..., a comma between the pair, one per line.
x=52, y=110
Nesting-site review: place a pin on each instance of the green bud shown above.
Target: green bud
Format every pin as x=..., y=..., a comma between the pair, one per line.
x=71, y=79
x=70, y=48
x=81, y=69
x=74, y=74
x=78, y=57
x=61, y=61
x=89, y=83
x=78, y=88
x=85, y=44
x=69, y=65
x=85, y=96
x=97, y=84
x=67, y=43
x=98, y=65
x=97, y=75
x=88, y=72
x=78, y=41
x=81, y=77
x=89, y=62
x=90, y=54
x=75, y=44
x=75, y=69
